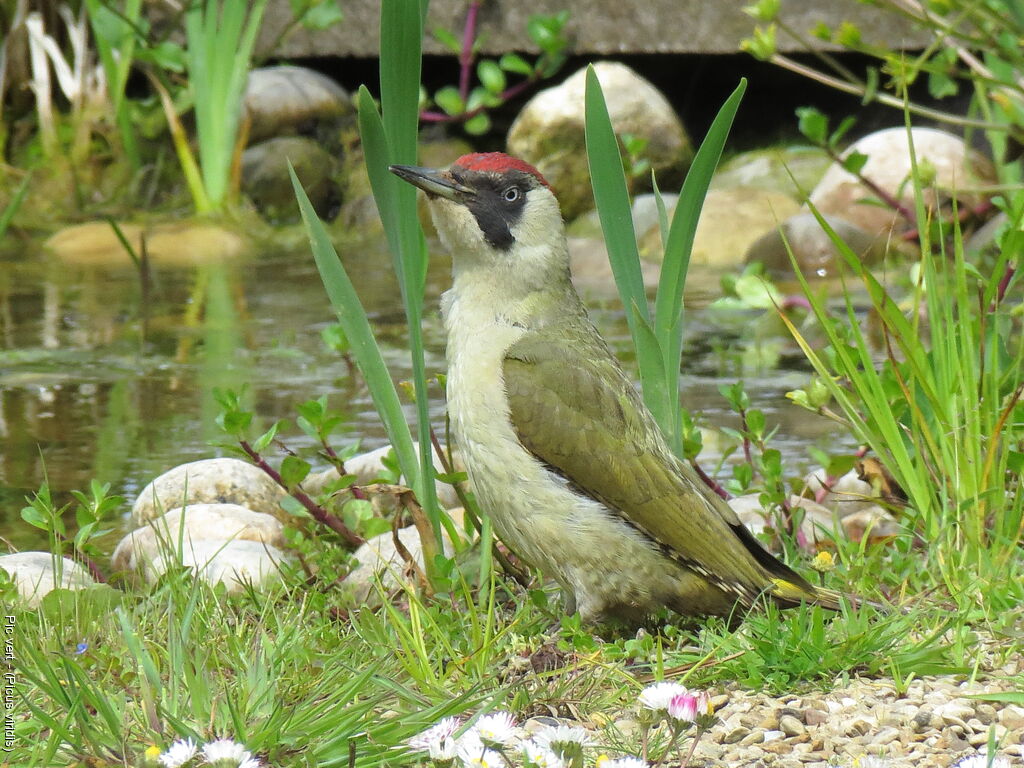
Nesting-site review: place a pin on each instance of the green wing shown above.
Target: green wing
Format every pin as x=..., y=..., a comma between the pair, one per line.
x=574, y=409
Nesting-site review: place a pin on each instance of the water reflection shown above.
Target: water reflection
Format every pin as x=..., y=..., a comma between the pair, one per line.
x=106, y=376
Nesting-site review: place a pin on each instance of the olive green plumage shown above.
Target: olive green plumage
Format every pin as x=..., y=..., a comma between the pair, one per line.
x=559, y=447
x=573, y=408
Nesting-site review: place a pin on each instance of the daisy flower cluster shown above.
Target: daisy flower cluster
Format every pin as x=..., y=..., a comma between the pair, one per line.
x=673, y=702
x=678, y=705
x=494, y=741
x=221, y=753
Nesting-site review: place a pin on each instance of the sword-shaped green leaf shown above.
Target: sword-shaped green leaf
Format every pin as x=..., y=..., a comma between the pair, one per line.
x=365, y=351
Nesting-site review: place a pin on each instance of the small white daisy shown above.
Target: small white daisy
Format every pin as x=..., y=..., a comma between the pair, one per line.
x=469, y=745
x=442, y=751
x=658, y=695
x=982, y=761
x=227, y=751
x=488, y=759
x=621, y=762
x=434, y=735
x=179, y=753
x=872, y=761
x=251, y=762
x=536, y=756
x=552, y=737
x=473, y=754
x=497, y=728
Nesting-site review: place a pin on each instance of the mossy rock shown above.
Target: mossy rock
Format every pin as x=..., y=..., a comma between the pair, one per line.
x=771, y=168
x=549, y=132
x=816, y=254
x=730, y=221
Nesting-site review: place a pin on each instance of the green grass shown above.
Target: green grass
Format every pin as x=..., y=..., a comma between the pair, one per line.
x=941, y=409
x=106, y=674
x=114, y=34
x=297, y=674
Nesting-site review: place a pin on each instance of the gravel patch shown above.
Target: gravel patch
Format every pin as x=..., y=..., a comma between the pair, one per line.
x=932, y=724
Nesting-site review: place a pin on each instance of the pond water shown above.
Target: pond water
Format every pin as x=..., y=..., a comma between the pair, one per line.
x=100, y=378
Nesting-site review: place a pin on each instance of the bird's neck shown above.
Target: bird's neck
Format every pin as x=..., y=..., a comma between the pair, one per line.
x=530, y=291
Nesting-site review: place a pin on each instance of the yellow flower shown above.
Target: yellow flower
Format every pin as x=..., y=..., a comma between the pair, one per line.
x=152, y=753
x=823, y=562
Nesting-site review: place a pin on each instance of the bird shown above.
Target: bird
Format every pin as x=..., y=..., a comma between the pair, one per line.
x=557, y=443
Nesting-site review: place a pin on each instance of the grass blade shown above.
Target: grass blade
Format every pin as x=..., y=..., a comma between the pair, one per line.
x=668, y=306
x=401, y=35
x=612, y=198
x=7, y=215
x=383, y=184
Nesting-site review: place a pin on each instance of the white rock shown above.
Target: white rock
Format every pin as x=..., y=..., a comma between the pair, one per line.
x=874, y=522
x=379, y=559
x=846, y=495
x=35, y=574
x=1012, y=717
x=817, y=521
x=197, y=522
x=549, y=131
x=234, y=563
x=208, y=481
x=840, y=192
x=368, y=467
x=955, y=712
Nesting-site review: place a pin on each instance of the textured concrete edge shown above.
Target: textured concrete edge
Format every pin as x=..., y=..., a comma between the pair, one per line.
x=595, y=26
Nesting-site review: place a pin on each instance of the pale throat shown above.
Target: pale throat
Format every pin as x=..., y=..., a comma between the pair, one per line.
x=506, y=295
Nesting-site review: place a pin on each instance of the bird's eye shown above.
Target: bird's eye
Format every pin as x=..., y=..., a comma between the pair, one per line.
x=511, y=194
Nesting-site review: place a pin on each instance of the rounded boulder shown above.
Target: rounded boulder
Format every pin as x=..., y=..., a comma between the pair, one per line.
x=816, y=254
x=235, y=563
x=549, y=132
x=198, y=522
x=730, y=221
x=208, y=481
x=954, y=167
x=288, y=100
x=36, y=574
x=267, y=182
x=793, y=170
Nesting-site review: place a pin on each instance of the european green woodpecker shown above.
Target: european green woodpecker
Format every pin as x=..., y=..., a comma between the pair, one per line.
x=559, y=447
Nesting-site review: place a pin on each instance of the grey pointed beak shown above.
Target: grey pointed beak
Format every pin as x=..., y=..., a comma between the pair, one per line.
x=435, y=182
